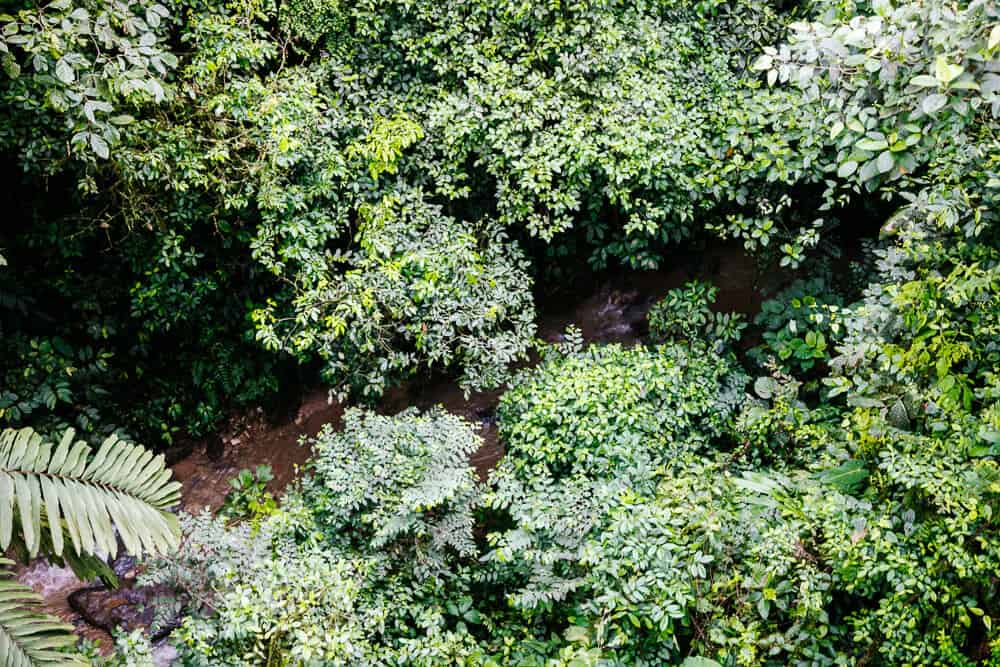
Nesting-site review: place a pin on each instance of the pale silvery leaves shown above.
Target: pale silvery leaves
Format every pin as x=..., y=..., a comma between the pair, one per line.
x=941, y=72
x=933, y=103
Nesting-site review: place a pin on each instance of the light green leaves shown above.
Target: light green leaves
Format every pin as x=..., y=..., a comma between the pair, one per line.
x=872, y=144
x=945, y=72
x=27, y=637
x=124, y=489
x=766, y=387
x=385, y=143
x=423, y=290
x=431, y=491
x=686, y=314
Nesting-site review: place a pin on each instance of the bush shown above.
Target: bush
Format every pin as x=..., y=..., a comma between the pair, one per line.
x=609, y=410
x=401, y=483
x=686, y=314
x=363, y=564
x=801, y=325
x=588, y=434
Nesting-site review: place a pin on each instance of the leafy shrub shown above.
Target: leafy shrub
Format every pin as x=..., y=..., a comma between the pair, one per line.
x=54, y=377
x=930, y=97
x=400, y=482
x=801, y=325
x=362, y=564
x=422, y=292
x=586, y=433
x=608, y=409
x=686, y=314
x=249, y=498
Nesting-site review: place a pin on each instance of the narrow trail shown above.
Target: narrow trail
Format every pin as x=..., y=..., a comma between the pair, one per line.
x=613, y=312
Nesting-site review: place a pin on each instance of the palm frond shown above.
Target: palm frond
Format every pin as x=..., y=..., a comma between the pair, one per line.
x=123, y=486
x=29, y=638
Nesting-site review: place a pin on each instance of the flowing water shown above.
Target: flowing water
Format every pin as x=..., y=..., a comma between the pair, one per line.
x=614, y=311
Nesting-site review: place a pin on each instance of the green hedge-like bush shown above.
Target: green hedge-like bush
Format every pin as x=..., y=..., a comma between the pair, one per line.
x=607, y=409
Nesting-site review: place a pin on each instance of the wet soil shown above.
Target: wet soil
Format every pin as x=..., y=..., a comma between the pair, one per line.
x=613, y=311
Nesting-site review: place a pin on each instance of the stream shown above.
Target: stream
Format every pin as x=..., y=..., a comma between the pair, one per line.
x=613, y=311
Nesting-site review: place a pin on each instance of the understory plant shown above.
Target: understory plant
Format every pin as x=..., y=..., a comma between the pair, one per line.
x=72, y=506
x=686, y=313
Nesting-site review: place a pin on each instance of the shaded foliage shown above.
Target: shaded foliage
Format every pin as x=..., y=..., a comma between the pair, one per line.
x=218, y=197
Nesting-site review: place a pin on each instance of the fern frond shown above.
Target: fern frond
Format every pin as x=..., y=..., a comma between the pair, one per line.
x=124, y=486
x=29, y=638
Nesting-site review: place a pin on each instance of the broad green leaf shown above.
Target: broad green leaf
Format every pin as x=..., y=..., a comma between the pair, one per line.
x=847, y=168
x=946, y=72
x=885, y=162
x=99, y=145
x=872, y=144
x=64, y=72
x=846, y=477
x=765, y=387
x=933, y=103
x=869, y=170
x=924, y=81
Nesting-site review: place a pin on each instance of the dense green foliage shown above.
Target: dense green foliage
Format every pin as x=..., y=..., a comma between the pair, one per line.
x=212, y=202
x=361, y=565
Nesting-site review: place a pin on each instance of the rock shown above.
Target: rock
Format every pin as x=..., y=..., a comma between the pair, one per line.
x=126, y=608
x=315, y=403
x=164, y=655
